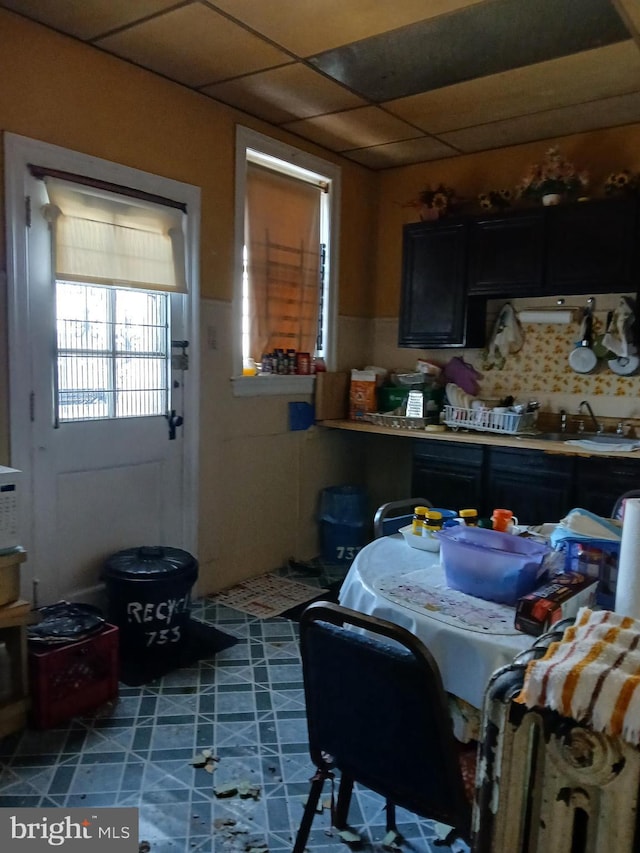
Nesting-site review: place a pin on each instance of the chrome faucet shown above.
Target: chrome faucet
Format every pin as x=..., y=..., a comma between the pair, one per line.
x=586, y=404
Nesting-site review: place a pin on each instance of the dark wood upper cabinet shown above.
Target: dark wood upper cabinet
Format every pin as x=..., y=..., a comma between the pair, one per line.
x=434, y=310
x=451, y=267
x=581, y=247
x=506, y=254
x=592, y=247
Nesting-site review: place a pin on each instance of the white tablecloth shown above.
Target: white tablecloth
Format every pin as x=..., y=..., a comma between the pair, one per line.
x=469, y=638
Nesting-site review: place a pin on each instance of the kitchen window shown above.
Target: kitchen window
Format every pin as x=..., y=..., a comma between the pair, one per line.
x=286, y=258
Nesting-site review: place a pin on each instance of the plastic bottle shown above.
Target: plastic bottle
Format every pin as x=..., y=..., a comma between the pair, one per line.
x=6, y=684
x=502, y=520
x=419, y=515
x=433, y=521
x=470, y=516
x=318, y=364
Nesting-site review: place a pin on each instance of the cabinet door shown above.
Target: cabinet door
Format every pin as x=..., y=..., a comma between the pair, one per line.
x=600, y=482
x=592, y=247
x=506, y=254
x=535, y=486
x=433, y=309
x=448, y=474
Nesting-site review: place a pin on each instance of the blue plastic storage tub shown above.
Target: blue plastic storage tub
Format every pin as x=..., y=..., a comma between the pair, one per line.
x=488, y=564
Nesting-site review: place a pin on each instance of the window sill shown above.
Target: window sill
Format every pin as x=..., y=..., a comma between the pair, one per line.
x=263, y=386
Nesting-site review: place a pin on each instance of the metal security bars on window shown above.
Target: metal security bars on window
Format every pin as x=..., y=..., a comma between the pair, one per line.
x=112, y=352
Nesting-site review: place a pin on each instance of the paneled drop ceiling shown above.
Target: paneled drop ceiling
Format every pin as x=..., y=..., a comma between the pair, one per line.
x=384, y=82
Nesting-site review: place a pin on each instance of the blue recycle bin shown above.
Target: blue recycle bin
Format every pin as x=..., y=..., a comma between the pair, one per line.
x=344, y=523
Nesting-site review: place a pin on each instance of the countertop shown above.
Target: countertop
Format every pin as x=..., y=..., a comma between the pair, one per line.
x=483, y=438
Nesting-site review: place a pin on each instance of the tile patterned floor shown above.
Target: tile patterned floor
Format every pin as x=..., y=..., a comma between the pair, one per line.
x=246, y=704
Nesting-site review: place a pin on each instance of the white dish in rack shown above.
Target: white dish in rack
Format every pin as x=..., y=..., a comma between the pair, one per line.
x=423, y=543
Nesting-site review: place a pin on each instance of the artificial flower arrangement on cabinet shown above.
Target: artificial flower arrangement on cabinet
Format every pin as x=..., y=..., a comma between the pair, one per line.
x=623, y=182
x=553, y=179
x=495, y=199
x=433, y=203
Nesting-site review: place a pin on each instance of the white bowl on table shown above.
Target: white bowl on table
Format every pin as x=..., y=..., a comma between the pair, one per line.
x=422, y=543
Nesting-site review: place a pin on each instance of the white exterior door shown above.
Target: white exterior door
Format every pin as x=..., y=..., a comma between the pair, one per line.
x=105, y=467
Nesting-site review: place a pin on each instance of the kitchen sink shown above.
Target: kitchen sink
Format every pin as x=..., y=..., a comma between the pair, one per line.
x=595, y=437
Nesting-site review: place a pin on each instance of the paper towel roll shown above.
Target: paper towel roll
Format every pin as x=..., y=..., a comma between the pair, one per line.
x=628, y=586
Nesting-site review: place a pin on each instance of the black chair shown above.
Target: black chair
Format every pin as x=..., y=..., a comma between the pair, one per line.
x=377, y=712
x=390, y=517
x=616, y=512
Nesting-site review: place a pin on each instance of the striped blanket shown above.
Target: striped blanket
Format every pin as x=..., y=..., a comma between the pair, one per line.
x=592, y=674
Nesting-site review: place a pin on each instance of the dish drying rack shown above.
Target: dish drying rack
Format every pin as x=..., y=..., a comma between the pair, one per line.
x=486, y=420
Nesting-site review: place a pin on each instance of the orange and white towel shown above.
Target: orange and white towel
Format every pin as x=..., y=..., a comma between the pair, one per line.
x=592, y=674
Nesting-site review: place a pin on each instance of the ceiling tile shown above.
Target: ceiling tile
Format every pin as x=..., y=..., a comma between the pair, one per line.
x=401, y=153
x=285, y=93
x=87, y=19
x=194, y=45
x=447, y=50
x=353, y=129
x=523, y=70
x=587, y=76
x=610, y=112
x=306, y=27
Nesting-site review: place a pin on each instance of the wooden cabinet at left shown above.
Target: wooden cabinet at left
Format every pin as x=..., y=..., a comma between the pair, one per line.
x=434, y=309
x=14, y=618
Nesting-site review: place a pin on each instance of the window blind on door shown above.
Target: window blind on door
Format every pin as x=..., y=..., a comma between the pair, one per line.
x=103, y=238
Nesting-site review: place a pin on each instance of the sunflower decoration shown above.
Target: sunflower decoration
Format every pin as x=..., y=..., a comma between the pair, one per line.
x=622, y=183
x=434, y=202
x=495, y=199
x=438, y=198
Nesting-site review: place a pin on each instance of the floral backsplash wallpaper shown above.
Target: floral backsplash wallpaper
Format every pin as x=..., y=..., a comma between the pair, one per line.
x=542, y=365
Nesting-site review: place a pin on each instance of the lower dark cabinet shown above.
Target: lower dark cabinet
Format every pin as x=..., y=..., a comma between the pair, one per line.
x=535, y=486
x=599, y=482
x=449, y=475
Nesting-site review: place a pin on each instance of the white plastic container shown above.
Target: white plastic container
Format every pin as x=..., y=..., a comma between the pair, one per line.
x=426, y=542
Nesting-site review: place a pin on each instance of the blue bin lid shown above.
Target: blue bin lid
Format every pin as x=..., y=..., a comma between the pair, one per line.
x=149, y=562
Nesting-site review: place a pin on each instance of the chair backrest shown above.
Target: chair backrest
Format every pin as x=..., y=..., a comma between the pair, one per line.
x=390, y=517
x=616, y=512
x=376, y=705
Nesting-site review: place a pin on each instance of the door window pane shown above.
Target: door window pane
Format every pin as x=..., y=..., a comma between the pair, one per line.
x=112, y=352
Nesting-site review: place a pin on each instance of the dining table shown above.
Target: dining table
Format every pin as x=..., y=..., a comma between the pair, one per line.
x=470, y=638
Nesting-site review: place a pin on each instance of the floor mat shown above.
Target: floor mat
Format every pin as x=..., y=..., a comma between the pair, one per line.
x=203, y=641
x=267, y=595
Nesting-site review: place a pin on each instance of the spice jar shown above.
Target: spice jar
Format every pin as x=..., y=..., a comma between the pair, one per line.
x=419, y=515
x=433, y=522
x=303, y=363
x=470, y=516
x=503, y=520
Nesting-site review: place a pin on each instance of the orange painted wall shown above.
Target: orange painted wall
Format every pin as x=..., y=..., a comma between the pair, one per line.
x=599, y=152
x=61, y=91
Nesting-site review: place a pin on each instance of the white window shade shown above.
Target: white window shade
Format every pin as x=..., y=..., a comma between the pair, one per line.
x=103, y=238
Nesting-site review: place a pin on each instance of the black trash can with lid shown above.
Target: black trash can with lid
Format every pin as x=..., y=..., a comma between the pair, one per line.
x=149, y=599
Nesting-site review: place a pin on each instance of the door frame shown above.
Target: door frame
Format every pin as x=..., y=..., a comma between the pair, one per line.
x=19, y=151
